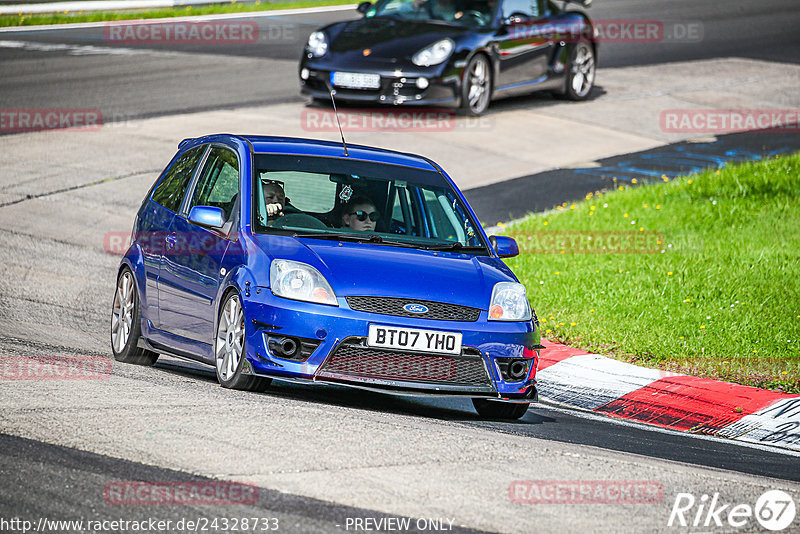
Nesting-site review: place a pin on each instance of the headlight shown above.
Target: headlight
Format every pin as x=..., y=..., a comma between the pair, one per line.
x=509, y=303
x=317, y=44
x=434, y=54
x=299, y=281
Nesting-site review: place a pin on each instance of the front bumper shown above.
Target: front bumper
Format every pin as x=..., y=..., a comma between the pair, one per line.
x=396, y=87
x=335, y=351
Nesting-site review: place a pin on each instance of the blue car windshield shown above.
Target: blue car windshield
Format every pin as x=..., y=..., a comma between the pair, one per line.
x=462, y=12
x=364, y=201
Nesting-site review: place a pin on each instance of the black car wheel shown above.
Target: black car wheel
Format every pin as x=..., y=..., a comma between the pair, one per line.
x=499, y=410
x=476, y=86
x=229, y=349
x=580, y=72
x=126, y=323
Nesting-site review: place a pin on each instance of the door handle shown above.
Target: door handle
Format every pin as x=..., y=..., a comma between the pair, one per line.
x=171, y=239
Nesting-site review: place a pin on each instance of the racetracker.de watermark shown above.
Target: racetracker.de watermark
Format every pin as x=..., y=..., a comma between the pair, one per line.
x=590, y=242
x=585, y=492
x=729, y=120
x=192, y=243
x=202, y=493
x=390, y=120
x=55, y=368
x=21, y=120
x=638, y=31
x=183, y=32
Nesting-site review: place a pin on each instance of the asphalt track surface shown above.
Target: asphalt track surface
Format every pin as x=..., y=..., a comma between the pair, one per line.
x=513, y=199
x=69, y=482
x=28, y=463
x=48, y=480
x=54, y=69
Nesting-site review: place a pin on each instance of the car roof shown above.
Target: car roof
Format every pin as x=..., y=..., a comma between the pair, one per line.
x=317, y=147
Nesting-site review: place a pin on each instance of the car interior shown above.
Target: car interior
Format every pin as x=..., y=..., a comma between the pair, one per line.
x=405, y=209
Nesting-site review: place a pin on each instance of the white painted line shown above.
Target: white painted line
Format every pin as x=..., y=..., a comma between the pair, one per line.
x=96, y=5
x=591, y=381
x=197, y=18
x=78, y=50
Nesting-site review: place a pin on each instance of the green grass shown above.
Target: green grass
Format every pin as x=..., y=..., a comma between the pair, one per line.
x=66, y=17
x=722, y=300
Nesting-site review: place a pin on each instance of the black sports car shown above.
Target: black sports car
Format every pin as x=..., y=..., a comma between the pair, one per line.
x=457, y=52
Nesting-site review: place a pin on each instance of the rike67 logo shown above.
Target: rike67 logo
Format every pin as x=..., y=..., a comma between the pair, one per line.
x=775, y=510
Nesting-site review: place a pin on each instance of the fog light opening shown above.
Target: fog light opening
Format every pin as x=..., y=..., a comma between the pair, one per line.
x=283, y=346
x=304, y=74
x=422, y=83
x=518, y=369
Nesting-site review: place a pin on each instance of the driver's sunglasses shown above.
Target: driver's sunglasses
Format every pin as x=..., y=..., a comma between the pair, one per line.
x=362, y=215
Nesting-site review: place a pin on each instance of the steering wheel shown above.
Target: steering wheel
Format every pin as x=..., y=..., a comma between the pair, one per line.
x=300, y=220
x=475, y=15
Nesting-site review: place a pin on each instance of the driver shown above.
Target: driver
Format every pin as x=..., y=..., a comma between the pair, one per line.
x=275, y=201
x=440, y=9
x=274, y=198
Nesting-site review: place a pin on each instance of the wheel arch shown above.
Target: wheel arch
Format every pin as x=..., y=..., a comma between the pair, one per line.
x=590, y=33
x=239, y=280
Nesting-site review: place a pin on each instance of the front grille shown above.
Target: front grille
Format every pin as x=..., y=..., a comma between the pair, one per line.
x=438, y=311
x=352, y=360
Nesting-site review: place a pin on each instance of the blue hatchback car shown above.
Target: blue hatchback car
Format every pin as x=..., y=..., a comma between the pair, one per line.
x=303, y=260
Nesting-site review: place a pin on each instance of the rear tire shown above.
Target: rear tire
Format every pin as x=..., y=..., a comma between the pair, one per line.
x=126, y=323
x=229, y=349
x=580, y=72
x=499, y=410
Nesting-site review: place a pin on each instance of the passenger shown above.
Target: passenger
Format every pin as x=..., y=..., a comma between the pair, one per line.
x=360, y=214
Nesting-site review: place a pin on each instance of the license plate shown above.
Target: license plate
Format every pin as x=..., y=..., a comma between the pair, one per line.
x=415, y=339
x=356, y=80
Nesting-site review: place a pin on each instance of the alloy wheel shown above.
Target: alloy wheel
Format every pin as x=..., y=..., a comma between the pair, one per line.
x=583, y=70
x=122, y=312
x=230, y=338
x=478, y=79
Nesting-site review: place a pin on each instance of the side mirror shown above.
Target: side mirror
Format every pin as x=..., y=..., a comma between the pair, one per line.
x=515, y=18
x=207, y=216
x=505, y=246
x=363, y=7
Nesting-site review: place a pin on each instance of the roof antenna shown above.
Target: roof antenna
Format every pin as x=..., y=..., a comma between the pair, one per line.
x=333, y=92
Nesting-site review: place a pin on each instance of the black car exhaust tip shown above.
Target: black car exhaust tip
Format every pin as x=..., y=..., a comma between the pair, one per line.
x=283, y=346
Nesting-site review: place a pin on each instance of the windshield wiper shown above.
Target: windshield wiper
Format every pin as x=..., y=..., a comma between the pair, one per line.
x=344, y=236
x=457, y=246
x=359, y=238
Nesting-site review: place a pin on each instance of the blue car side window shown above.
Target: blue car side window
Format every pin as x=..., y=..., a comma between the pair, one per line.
x=218, y=185
x=172, y=188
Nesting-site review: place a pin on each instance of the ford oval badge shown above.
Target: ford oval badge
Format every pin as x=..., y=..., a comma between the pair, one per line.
x=415, y=308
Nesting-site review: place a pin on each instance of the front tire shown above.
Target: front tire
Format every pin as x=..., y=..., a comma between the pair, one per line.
x=126, y=323
x=476, y=86
x=229, y=349
x=580, y=72
x=488, y=409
